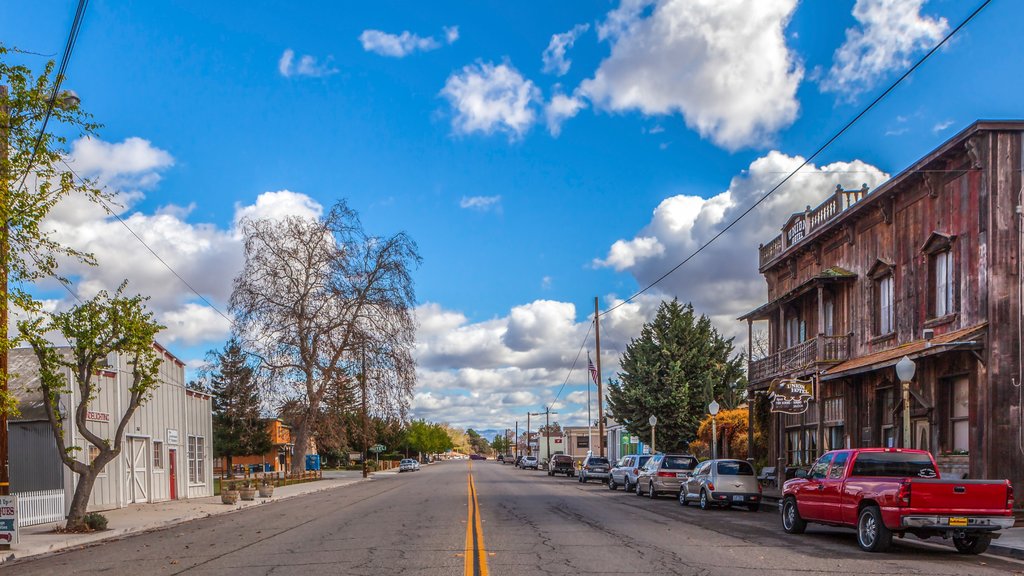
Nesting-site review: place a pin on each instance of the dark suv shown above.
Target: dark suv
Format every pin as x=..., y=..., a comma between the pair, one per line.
x=595, y=468
x=561, y=464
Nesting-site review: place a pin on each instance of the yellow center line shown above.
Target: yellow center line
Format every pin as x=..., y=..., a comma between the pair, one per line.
x=476, y=553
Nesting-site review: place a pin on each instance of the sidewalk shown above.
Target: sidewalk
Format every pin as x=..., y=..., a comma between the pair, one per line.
x=41, y=539
x=1009, y=544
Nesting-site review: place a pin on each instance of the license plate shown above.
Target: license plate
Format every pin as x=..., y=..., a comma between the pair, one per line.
x=958, y=521
x=680, y=474
x=737, y=498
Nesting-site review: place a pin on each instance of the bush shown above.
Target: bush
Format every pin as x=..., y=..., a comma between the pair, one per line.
x=96, y=521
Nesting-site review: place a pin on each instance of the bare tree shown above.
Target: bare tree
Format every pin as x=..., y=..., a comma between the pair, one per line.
x=315, y=297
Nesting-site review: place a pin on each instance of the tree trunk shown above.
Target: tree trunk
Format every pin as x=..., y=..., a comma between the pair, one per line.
x=299, y=450
x=80, y=502
x=231, y=468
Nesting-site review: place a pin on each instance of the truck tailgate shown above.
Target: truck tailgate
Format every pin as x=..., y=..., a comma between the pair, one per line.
x=959, y=496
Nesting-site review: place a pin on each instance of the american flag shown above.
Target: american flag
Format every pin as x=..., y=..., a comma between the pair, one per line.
x=592, y=368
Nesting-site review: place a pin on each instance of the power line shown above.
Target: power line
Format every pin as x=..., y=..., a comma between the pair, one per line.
x=69, y=48
x=569, y=375
x=148, y=247
x=807, y=161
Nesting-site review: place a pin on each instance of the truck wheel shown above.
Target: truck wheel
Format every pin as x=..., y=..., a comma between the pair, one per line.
x=792, y=523
x=872, y=535
x=971, y=543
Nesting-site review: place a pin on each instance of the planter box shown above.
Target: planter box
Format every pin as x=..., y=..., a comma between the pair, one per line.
x=229, y=496
x=247, y=493
x=267, y=491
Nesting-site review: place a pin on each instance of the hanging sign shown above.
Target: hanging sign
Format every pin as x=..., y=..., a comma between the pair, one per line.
x=791, y=395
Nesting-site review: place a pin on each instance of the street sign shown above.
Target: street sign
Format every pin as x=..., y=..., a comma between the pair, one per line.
x=8, y=520
x=377, y=448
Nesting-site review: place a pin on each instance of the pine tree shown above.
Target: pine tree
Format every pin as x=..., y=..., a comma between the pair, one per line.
x=673, y=370
x=238, y=429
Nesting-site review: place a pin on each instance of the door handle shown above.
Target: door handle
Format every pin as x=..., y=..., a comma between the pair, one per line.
x=821, y=487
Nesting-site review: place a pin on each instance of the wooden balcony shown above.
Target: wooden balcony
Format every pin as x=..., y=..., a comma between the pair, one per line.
x=801, y=359
x=801, y=224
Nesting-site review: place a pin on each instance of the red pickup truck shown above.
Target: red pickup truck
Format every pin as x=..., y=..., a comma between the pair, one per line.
x=886, y=491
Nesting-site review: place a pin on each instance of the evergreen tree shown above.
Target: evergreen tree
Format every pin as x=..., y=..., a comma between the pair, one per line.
x=238, y=429
x=673, y=370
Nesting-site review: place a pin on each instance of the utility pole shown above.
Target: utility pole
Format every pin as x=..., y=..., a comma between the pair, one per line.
x=600, y=394
x=529, y=449
x=547, y=425
x=516, y=451
x=362, y=379
x=5, y=476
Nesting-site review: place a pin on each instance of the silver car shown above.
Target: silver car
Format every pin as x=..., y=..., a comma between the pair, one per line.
x=664, y=474
x=626, y=470
x=722, y=483
x=595, y=468
x=408, y=465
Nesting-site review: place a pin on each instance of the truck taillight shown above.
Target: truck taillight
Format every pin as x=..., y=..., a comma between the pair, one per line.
x=904, y=497
x=1009, y=495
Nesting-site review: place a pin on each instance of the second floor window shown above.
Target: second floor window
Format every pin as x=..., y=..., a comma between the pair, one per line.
x=796, y=331
x=942, y=280
x=830, y=312
x=886, y=317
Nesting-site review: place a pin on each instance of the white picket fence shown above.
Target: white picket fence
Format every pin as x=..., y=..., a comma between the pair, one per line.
x=40, y=507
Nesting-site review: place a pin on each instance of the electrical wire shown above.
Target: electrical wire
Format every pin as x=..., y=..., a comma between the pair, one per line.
x=117, y=216
x=573, y=367
x=69, y=48
x=808, y=160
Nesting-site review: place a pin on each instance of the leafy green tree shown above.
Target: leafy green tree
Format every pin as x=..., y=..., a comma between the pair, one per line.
x=673, y=370
x=96, y=329
x=501, y=444
x=238, y=429
x=34, y=179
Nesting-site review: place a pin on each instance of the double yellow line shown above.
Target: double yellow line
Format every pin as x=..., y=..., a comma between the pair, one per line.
x=476, y=554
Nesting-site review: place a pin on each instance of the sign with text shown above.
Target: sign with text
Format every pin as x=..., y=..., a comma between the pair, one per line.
x=377, y=448
x=8, y=520
x=172, y=436
x=791, y=395
x=92, y=416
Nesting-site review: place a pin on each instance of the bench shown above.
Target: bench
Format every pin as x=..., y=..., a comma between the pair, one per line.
x=768, y=477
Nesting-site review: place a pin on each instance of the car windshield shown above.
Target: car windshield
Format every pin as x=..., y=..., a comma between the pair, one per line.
x=735, y=468
x=598, y=462
x=679, y=463
x=893, y=464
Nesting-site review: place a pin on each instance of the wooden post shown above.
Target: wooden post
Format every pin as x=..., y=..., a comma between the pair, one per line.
x=362, y=380
x=5, y=476
x=600, y=393
x=750, y=396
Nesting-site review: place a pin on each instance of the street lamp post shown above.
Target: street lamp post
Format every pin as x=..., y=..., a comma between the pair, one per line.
x=713, y=410
x=653, y=421
x=905, y=370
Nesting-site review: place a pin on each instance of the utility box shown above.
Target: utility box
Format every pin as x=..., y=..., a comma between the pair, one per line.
x=312, y=461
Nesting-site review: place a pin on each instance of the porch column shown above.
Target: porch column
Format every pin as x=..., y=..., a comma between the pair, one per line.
x=750, y=396
x=780, y=343
x=820, y=346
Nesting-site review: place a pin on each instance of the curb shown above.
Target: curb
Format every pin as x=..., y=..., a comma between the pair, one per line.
x=120, y=533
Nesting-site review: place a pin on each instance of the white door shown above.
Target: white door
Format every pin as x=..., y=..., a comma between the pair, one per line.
x=137, y=470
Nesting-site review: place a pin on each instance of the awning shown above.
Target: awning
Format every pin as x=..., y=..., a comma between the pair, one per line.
x=965, y=338
x=828, y=275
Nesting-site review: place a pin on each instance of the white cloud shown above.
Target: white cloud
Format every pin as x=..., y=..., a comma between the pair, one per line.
x=279, y=205
x=723, y=281
x=940, y=126
x=451, y=34
x=546, y=282
x=307, y=65
x=491, y=98
x=560, y=109
x=396, y=45
x=554, y=58
x=481, y=203
x=724, y=66
x=193, y=324
x=889, y=32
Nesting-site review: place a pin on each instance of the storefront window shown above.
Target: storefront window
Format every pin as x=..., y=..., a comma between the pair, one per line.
x=810, y=444
x=887, y=404
x=959, y=413
x=793, y=455
x=196, y=460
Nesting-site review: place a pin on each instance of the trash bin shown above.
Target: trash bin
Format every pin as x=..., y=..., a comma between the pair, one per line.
x=312, y=461
x=268, y=467
x=255, y=468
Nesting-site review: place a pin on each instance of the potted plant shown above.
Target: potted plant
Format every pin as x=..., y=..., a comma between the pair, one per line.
x=266, y=488
x=229, y=493
x=248, y=490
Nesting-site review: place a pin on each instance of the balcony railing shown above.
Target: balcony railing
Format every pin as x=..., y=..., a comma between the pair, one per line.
x=800, y=227
x=803, y=357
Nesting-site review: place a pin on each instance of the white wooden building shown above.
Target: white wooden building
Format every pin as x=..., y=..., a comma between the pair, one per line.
x=166, y=454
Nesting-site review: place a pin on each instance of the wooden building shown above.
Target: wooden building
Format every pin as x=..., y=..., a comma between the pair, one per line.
x=927, y=265
x=277, y=459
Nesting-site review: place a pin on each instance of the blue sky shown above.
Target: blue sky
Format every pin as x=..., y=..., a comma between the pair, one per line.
x=675, y=115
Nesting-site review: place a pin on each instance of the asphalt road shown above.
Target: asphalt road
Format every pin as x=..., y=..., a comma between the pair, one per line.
x=521, y=522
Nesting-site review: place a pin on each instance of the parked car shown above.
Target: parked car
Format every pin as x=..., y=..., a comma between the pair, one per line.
x=408, y=465
x=500, y=458
x=626, y=470
x=477, y=457
x=722, y=483
x=595, y=468
x=664, y=474
x=519, y=460
x=562, y=464
x=529, y=462
x=885, y=491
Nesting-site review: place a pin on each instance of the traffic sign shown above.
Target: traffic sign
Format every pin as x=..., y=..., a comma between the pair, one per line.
x=378, y=448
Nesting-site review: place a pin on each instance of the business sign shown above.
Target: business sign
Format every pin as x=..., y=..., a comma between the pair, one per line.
x=357, y=456
x=8, y=520
x=172, y=436
x=558, y=440
x=377, y=448
x=791, y=395
x=92, y=416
